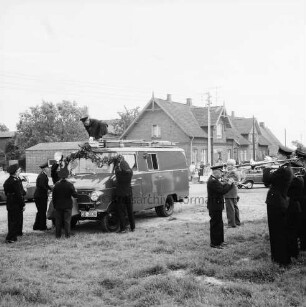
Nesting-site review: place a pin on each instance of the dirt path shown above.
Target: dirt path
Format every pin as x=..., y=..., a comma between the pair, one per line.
x=251, y=205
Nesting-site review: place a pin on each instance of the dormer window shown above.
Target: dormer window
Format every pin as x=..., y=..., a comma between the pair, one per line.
x=219, y=131
x=156, y=131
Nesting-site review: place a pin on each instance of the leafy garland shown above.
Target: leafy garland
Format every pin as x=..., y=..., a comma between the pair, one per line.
x=86, y=152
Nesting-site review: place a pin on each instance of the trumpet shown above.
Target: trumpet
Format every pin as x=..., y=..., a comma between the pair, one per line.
x=58, y=158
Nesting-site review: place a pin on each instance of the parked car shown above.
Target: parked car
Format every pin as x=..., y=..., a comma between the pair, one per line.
x=28, y=182
x=251, y=177
x=160, y=178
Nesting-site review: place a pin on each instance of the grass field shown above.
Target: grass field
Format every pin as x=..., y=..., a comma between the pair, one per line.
x=171, y=265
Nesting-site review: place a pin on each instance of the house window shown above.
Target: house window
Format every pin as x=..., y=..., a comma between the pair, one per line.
x=229, y=153
x=219, y=131
x=152, y=161
x=194, y=156
x=243, y=155
x=204, y=155
x=155, y=131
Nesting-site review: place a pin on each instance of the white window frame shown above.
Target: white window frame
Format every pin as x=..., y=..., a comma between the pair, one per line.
x=156, y=131
x=219, y=131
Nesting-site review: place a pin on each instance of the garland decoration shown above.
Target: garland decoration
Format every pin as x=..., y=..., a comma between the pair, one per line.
x=86, y=152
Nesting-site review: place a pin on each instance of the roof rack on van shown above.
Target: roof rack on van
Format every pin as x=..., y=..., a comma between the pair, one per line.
x=134, y=143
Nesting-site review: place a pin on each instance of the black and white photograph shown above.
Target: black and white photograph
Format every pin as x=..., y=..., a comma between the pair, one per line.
x=152, y=153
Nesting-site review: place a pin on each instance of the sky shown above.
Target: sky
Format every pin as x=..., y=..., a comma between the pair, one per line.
x=249, y=55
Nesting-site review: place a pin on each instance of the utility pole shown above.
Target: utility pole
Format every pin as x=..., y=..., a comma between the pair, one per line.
x=253, y=139
x=209, y=133
x=285, y=137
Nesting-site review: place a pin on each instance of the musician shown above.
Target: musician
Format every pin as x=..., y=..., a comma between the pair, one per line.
x=96, y=129
x=231, y=197
x=277, y=202
x=301, y=154
x=215, y=205
x=41, y=198
x=295, y=194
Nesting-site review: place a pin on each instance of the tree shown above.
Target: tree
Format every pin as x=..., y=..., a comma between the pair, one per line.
x=125, y=120
x=297, y=144
x=51, y=122
x=3, y=128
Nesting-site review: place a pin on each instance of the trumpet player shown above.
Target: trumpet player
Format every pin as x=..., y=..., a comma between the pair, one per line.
x=231, y=197
x=301, y=154
x=277, y=202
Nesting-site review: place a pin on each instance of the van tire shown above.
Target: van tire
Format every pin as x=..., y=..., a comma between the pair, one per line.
x=166, y=209
x=110, y=222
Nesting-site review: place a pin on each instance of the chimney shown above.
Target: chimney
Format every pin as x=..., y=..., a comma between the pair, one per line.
x=169, y=97
x=233, y=114
x=262, y=124
x=189, y=102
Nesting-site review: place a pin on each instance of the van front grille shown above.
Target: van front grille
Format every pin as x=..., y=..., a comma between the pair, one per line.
x=82, y=198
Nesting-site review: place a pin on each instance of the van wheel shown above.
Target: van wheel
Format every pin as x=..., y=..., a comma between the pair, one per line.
x=74, y=221
x=110, y=222
x=166, y=209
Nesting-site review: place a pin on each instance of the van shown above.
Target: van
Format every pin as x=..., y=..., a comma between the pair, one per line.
x=160, y=178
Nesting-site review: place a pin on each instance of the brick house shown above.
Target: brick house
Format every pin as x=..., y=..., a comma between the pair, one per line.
x=188, y=126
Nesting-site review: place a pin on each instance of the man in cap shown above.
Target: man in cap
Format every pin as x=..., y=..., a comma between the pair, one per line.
x=231, y=197
x=41, y=198
x=301, y=154
x=96, y=129
x=215, y=205
x=277, y=202
x=15, y=205
x=62, y=202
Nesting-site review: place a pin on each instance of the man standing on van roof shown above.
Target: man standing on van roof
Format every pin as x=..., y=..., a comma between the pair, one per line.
x=124, y=197
x=215, y=205
x=95, y=128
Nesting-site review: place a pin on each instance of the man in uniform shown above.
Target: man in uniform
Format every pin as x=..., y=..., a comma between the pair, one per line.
x=95, y=128
x=41, y=199
x=62, y=202
x=215, y=205
x=15, y=205
x=278, y=180
x=301, y=154
x=231, y=197
x=124, y=201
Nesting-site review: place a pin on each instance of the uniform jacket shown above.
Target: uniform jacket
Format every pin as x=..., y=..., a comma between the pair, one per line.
x=42, y=186
x=62, y=193
x=96, y=128
x=279, y=181
x=14, y=192
x=233, y=192
x=124, y=178
x=215, y=191
x=295, y=194
x=54, y=173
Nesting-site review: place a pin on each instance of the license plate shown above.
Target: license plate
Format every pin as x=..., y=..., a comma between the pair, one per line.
x=91, y=213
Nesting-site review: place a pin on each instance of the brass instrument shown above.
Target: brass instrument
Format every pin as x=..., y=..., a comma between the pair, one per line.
x=58, y=158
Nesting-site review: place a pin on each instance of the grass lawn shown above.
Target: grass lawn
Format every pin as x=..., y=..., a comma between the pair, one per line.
x=158, y=266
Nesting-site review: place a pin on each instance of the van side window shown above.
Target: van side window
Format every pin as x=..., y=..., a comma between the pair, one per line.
x=152, y=161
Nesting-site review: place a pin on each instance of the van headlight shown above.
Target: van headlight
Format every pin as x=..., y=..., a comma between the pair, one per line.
x=94, y=196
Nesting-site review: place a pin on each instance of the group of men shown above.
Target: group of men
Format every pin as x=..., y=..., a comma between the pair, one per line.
x=220, y=192
x=62, y=192
x=286, y=206
x=286, y=203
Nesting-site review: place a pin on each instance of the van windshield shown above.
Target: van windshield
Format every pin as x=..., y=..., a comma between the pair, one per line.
x=83, y=166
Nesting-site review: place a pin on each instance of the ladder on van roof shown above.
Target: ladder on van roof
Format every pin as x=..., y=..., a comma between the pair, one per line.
x=108, y=143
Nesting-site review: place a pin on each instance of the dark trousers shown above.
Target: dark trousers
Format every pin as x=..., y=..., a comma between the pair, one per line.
x=232, y=211
x=62, y=217
x=293, y=229
x=216, y=227
x=41, y=220
x=15, y=224
x=125, y=207
x=302, y=232
x=279, y=236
